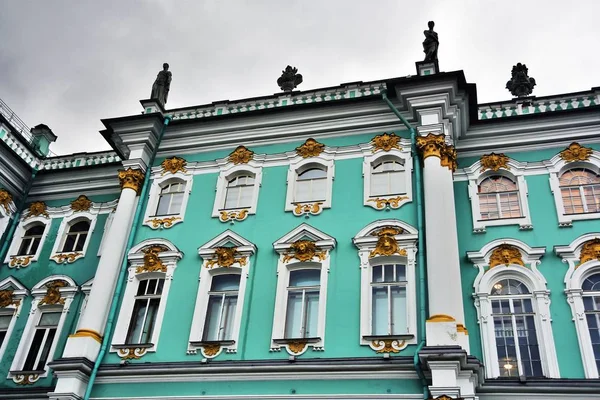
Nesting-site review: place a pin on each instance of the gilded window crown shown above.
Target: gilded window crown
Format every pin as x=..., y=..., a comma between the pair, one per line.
x=304, y=250
x=53, y=295
x=310, y=148
x=576, y=152
x=241, y=155
x=387, y=244
x=226, y=257
x=6, y=299
x=173, y=165
x=152, y=262
x=505, y=254
x=590, y=251
x=82, y=203
x=386, y=142
x=36, y=209
x=494, y=162
x=5, y=199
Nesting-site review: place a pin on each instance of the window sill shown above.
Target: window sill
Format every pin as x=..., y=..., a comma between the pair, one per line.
x=295, y=340
x=67, y=256
x=371, y=338
x=35, y=372
x=133, y=345
x=233, y=214
x=163, y=221
x=213, y=343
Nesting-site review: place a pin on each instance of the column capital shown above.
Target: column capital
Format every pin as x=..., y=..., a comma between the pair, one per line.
x=131, y=179
x=435, y=146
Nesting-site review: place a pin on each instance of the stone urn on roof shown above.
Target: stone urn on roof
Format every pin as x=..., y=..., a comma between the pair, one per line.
x=289, y=79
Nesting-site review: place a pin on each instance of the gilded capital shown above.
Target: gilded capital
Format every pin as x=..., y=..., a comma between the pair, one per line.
x=5, y=199
x=131, y=179
x=435, y=146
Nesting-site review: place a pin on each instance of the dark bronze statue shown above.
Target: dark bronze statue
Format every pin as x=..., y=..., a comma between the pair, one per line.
x=289, y=79
x=431, y=43
x=160, y=88
x=520, y=84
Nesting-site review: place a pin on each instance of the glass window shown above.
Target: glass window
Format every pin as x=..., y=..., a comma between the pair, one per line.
x=311, y=185
x=591, y=302
x=301, y=320
x=31, y=240
x=170, y=199
x=4, y=323
x=43, y=337
x=222, y=303
x=387, y=178
x=239, y=192
x=145, y=310
x=388, y=289
x=580, y=190
x=515, y=330
x=76, y=237
x=499, y=198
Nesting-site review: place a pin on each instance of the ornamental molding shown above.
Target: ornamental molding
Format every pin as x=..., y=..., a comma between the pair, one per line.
x=385, y=202
x=241, y=155
x=310, y=148
x=434, y=145
x=296, y=346
x=505, y=254
x=131, y=179
x=307, y=208
x=5, y=200
x=63, y=258
x=82, y=203
x=166, y=222
x=387, y=244
x=25, y=379
x=37, y=209
x=132, y=353
x=226, y=257
x=210, y=350
x=173, y=165
x=576, y=152
x=387, y=345
x=53, y=295
x=590, y=251
x=152, y=261
x=7, y=298
x=494, y=162
x=236, y=215
x=386, y=142
x=20, y=261
x=304, y=250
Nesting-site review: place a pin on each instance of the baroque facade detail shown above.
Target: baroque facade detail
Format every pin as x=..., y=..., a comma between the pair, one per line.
x=53, y=295
x=226, y=257
x=236, y=215
x=576, y=152
x=131, y=353
x=435, y=146
x=20, y=261
x=304, y=250
x=387, y=244
x=82, y=203
x=297, y=346
x=384, y=202
x=590, y=251
x=37, y=209
x=505, y=254
x=241, y=155
x=387, y=345
x=7, y=299
x=131, y=179
x=165, y=222
x=5, y=199
x=152, y=261
x=308, y=208
x=310, y=148
x=173, y=165
x=386, y=142
x=62, y=258
x=494, y=162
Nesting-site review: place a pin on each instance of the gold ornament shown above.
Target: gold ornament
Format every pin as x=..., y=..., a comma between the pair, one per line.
x=297, y=346
x=307, y=208
x=385, y=142
x=310, y=148
x=6, y=299
x=211, y=350
x=590, y=251
x=304, y=250
x=388, y=345
x=36, y=209
x=152, y=262
x=82, y=203
x=444, y=397
x=386, y=244
x=16, y=261
x=576, y=152
x=53, y=295
x=226, y=257
x=131, y=179
x=238, y=215
x=131, y=353
x=493, y=162
x=393, y=202
x=26, y=379
x=5, y=199
x=435, y=146
x=505, y=254
x=166, y=222
x=173, y=165
x=241, y=155
x=66, y=257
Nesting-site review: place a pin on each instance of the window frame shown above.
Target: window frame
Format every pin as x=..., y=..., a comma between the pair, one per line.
x=285, y=265
x=159, y=182
x=381, y=202
x=23, y=226
x=297, y=166
x=6, y=213
x=13, y=309
x=531, y=277
x=63, y=230
x=228, y=172
x=169, y=258
x=38, y=292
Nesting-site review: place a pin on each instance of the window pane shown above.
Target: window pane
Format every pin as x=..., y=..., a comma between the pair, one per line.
x=24, y=248
x=312, y=314
x=379, y=313
x=163, y=204
x=293, y=316
x=34, y=349
x=228, y=317
x=137, y=322
x=225, y=282
x=592, y=283
x=303, y=191
x=305, y=277
x=246, y=196
x=150, y=321
x=379, y=184
x=46, y=350
x=69, y=243
x=231, y=197
x=142, y=288
x=319, y=188
x=49, y=319
x=211, y=325
x=5, y=321
x=399, y=325
x=396, y=182
x=81, y=226
x=312, y=173
x=378, y=273
x=176, y=201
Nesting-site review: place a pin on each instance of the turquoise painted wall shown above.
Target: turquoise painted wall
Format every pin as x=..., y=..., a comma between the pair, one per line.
x=80, y=271
x=545, y=233
x=345, y=219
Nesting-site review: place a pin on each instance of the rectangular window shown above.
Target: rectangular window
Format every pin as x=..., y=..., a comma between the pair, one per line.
x=388, y=301
x=144, y=313
x=4, y=323
x=499, y=205
x=592, y=314
x=222, y=304
x=170, y=199
x=43, y=337
x=303, y=304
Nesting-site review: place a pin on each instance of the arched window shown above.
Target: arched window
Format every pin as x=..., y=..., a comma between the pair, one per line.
x=591, y=303
x=221, y=311
x=240, y=191
x=387, y=178
x=499, y=198
x=311, y=185
x=170, y=199
x=76, y=236
x=515, y=331
x=580, y=191
x=302, y=311
x=31, y=239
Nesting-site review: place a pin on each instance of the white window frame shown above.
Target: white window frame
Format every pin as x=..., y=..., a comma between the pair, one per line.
x=228, y=172
x=158, y=183
x=135, y=256
x=531, y=277
x=38, y=292
x=18, y=235
x=282, y=246
x=574, y=278
x=366, y=242
x=299, y=165
x=556, y=167
x=13, y=309
x=370, y=159
x=516, y=173
x=207, y=251
x=63, y=230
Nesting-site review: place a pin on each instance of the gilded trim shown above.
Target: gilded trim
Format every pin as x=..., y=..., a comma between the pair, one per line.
x=81, y=203
x=392, y=202
x=505, y=254
x=297, y=346
x=387, y=244
x=226, y=257
x=62, y=258
x=36, y=209
x=5, y=199
x=25, y=379
x=88, y=333
x=7, y=299
x=237, y=215
x=386, y=142
x=152, y=261
x=310, y=148
x=441, y=318
x=304, y=250
x=590, y=251
x=387, y=345
x=241, y=155
x=132, y=353
x=166, y=222
x=53, y=295
x=131, y=179
x=20, y=261
x=435, y=146
x=210, y=350
x=576, y=152
x=173, y=165
x=461, y=328
x=494, y=162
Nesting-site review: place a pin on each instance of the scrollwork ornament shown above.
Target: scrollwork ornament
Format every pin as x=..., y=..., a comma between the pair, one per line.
x=506, y=254
x=386, y=142
x=20, y=261
x=166, y=222
x=590, y=251
x=152, y=261
x=36, y=209
x=310, y=148
x=304, y=250
x=53, y=295
x=132, y=353
x=173, y=165
x=392, y=202
x=5, y=200
x=226, y=257
x=576, y=152
x=494, y=162
x=26, y=379
x=241, y=155
x=131, y=179
x=81, y=203
x=62, y=258
x=387, y=345
x=307, y=208
x=236, y=215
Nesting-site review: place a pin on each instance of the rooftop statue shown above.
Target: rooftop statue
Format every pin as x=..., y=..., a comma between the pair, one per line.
x=160, y=88
x=520, y=83
x=289, y=79
x=431, y=43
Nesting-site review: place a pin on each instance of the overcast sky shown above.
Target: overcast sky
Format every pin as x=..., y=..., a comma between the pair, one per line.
x=69, y=64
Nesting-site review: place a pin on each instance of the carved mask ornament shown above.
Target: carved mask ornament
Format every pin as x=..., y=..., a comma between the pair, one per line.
x=241, y=155
x=494, y=162
x=5, y=199
x=6, y=298
x=310, y=148
x=386, y=142
x=53, y=295
x=173, y=165
x=590, y=251
x=576, y=152
x=37, y=208
x=386, y=244
x=152, y=262
x=226, y=257
x=82, y=203
x=304, y=250
x=506, y=254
